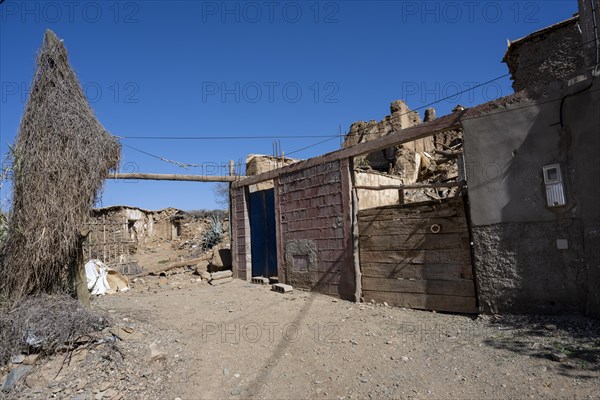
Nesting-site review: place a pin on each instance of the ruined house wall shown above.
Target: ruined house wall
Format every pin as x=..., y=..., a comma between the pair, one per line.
x=376, y=198
x=400, y=117
x=315, y=224
x=519, y=265
x=119, y=224
x=545, y=56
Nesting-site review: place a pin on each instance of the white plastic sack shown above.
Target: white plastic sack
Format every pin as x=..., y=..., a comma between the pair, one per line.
x=96, y=273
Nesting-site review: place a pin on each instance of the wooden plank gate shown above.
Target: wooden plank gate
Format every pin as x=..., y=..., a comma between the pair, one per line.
x=418, y=256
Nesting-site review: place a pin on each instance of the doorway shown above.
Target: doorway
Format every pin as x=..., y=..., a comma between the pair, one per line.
x=262, y=233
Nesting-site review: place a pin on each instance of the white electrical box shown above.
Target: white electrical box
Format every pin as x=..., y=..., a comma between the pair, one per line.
x=555, y=191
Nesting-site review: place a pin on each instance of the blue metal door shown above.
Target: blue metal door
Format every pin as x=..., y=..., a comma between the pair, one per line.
x=262, y=233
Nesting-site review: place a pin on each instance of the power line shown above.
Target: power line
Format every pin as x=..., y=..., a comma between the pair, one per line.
x=180, y=164
x=224, y=137
x=312, y=145
x=329, y=138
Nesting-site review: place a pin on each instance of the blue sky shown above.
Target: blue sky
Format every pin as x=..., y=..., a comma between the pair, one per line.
x=248, y=69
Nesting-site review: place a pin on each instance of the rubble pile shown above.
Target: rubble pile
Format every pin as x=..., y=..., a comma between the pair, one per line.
x=430, y=160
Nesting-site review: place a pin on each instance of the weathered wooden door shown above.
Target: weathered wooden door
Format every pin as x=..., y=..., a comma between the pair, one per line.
x=418, y=256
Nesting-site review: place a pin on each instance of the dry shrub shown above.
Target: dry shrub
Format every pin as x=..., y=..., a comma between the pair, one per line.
x=61, y=158
x=45, y=324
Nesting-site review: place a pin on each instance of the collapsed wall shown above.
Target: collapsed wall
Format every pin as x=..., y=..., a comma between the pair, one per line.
x=118, y=233
x=434, y=159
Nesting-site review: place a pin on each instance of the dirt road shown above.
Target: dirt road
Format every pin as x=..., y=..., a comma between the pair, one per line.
x=240, y=340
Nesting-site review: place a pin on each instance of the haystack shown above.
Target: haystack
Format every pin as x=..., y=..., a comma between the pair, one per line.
x=62, y=155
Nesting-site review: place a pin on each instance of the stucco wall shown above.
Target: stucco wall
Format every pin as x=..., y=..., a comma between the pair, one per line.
x=519, y=266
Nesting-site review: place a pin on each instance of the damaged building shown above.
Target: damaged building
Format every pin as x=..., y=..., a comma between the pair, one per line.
x=120, y=234
x=488, y=209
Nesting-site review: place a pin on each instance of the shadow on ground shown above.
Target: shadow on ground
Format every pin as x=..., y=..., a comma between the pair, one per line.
x=543, y=337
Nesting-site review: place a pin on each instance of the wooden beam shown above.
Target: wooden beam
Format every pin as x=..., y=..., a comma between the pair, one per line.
x=174, y=177
x=415, y=186
x=440, y=125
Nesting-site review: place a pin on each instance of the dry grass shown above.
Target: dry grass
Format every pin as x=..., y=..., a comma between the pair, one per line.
x=61, y=158
x=45, y=324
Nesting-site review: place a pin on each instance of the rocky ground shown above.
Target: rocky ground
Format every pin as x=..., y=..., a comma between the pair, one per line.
x=179, y=337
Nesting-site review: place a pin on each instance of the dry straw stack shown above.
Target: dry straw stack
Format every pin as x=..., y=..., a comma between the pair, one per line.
x=61, y=158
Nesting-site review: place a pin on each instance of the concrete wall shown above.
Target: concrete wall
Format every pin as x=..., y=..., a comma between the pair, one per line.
x=519, y=266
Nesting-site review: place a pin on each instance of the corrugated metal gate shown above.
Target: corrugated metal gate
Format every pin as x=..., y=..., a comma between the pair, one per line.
x=418, y=256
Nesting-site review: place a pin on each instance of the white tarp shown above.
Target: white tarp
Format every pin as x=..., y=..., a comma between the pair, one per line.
x=104, y=280
x=96, y=273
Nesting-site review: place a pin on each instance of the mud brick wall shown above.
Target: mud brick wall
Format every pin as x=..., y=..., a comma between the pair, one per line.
x=546, y=56
x=314, y=229
x=240, y=234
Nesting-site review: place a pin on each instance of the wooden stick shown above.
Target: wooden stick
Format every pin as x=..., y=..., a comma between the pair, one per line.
x=168, y=267
x=416, y=186
x=449, y=154
x=355, y=249
x=174, y=177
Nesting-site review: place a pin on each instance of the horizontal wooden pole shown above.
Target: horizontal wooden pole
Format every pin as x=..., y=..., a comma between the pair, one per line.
x=174, y=177
x=415, y=186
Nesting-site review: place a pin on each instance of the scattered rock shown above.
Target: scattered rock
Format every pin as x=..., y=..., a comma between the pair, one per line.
x=558, y=356
x=225, y=371
x=31, y=359
x=35, y=381
x=550, y=327
x=205, y=275
x=122, y=333
x=15, y=376
x=405, y=358
x=155, y=352
x=18, y=359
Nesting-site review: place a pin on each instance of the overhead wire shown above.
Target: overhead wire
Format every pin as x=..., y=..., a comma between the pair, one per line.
x=328, y=137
